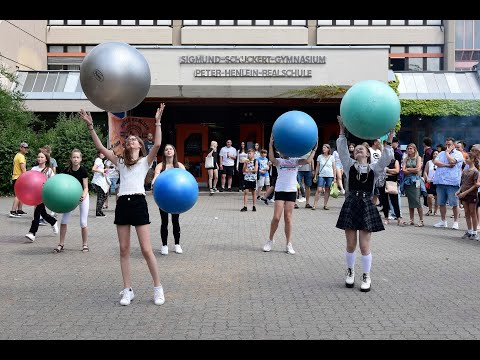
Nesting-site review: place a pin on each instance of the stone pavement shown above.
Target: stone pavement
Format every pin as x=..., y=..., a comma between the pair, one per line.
x=424, y=280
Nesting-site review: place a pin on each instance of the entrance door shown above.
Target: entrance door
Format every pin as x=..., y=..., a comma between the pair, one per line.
x=251, y=134
x=192, y=147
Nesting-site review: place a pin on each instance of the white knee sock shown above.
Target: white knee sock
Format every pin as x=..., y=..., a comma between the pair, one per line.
x=366, y=262
x=350, y=258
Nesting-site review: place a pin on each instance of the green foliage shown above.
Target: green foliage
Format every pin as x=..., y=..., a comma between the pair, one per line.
x=318, y=92
x=71, y=133
x=394, y=85
x=17, y=125
x=440, y=107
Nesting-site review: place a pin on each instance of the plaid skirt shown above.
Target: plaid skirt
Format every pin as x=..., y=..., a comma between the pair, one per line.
x=359, y=213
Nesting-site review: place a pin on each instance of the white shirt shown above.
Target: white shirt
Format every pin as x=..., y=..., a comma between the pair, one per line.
x=48, y=174
x=223, y=153
x=97, y=175
x=287, y=175
x=374, y=155
x=132, y=178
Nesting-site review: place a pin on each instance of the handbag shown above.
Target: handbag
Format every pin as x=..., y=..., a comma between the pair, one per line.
x=334, y=192
x=391, y=187
x=209, y=162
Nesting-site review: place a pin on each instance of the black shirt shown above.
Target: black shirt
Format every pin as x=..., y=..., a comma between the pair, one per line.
x=80, y=174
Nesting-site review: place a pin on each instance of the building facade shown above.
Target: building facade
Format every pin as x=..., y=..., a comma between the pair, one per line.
x=228, y=79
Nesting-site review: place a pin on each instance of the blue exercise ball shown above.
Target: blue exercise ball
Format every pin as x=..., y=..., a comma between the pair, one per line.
x=370, y=109
x=295, y=133
x=175, y=191
x=115, y=76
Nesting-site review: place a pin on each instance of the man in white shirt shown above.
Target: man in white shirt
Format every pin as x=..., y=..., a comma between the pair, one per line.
x=228, y=155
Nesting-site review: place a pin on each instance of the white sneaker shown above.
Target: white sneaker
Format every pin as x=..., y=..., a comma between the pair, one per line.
x=442, y=224
x=178, y=249
x=366, y=282
x=350, y=280
x=455, y=225
x=268, y=245
x=342, y=192
x=290, y=249
x=392, y=218
x=30, y=236
x=127, y=296
x=55, y=228
x=302, y=199
x=164, y=250
x=158, y=296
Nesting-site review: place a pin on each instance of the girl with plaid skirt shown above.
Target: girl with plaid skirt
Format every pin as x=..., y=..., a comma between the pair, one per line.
x=358, y=211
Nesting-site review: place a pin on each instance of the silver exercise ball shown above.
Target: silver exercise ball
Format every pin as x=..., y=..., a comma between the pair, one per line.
x=115, y=76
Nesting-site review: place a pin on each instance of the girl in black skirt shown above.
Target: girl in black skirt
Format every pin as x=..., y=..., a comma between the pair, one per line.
x=358, y=211
x=131, y=209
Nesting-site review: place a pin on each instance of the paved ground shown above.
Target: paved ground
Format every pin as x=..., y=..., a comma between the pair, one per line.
x=424, y=280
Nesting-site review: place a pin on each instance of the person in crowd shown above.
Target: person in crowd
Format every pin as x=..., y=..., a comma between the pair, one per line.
x=242, y=157
x=250, y=170
x=468, y=194
x=306, y=173
x=447, y=181
x=263, y=175
x=413, y=184
x=19, y=167
x=429, y=175
x=228, y=155
x=100, y=184
x=132, y=208
x=325, y=175
x=391, y=174
x=212, y=171
x=43, y=166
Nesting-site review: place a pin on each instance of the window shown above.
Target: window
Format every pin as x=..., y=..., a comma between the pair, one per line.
x=415, y=64
x=74, y=22
x=433, y=64
x=397, y=49
x=92, y=22
x=110, y=22
x=434, y=22
x=40, y=82
x=379, y=22
x=324, y=22
x=459, y=29
x=56, y=48
x=434, y=49
x=89, y=48
x=415, y=22
x=360, y=22
x=145, y=22
x=56, y=22
x=128, y=22
x=342, y=22
x=245, y=22
x=397, y=22
x=74, y=48
x=415, y=49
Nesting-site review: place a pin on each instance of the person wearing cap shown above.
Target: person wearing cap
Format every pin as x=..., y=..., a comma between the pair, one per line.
x=19, y=167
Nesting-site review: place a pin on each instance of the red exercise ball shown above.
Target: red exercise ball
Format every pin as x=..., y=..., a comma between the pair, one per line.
x=28, y=187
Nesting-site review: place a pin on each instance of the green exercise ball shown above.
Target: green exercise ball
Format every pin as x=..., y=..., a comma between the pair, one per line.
x=370, y=109
x=61, y=193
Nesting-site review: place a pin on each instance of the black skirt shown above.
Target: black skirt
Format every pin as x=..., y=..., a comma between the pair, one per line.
x=359, y=213
x=131, y=210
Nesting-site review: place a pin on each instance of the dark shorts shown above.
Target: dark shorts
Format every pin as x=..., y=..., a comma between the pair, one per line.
x=432, y=190
x=307, y=176
x=13, y=185
x=470, y=199
x=249, y=185
x=131, y=210
x=273, y=180
x=229, y=170
x=285, y=196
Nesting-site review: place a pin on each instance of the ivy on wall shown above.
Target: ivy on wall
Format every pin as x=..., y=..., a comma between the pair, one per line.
x=440, y=107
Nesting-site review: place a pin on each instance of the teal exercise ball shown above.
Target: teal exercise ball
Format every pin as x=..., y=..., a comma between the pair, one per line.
x=61, y=193
x=370, y=109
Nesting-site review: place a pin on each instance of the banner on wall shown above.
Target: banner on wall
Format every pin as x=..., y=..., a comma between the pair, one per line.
x=119, y=129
